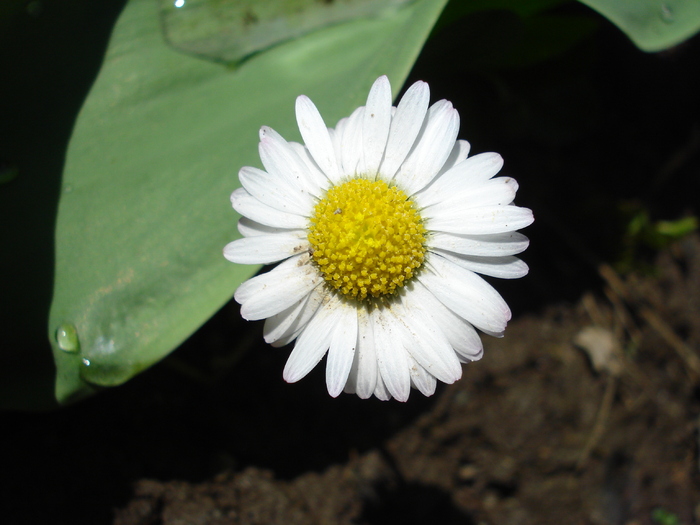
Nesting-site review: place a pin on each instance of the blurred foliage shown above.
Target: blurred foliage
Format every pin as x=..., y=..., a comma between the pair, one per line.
x=664, y=517
x=643, y=235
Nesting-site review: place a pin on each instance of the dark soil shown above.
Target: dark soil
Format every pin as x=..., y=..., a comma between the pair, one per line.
x=585, y=413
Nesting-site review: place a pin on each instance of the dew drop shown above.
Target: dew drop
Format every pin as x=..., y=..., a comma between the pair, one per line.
x=103, y=364
x=667, y=14
x=67, y=338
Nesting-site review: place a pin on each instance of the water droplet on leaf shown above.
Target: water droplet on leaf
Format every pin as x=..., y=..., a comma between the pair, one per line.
x=67, y=338
x=104, y=364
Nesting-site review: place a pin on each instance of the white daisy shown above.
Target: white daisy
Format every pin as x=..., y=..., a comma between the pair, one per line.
x=382, y=225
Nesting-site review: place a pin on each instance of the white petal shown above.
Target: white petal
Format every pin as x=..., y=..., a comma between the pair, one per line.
x=316, y=137
x=459, y=153
x=495, y=192
x=276, y=290
x=367, y=371
x=467, y=358
x=466, y=294
x=392, y=358
x=469, y=347
x=364, y=364
x=432, y=148
x=467, y=173
x=459, y=332
x=502, y=267
x=483, y=220
x=351, y=383
x=336, y=138
x=496, y=245
x=351, y=144
x=426, y=342
x=273, y=191
x=335, y=141
x=285, y=327
x=422, y=380
x=278, y=324
x=250, y=228
x=248, y=206
x=246, y=290
x=315, y=172
x=281, y=159
x=342, y=349
x=375, y=125
x=405, y=126
x=313, y=342
x=265, y=249
x=380, y=391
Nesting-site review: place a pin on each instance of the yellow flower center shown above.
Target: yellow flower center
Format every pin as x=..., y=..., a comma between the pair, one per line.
x=367, y=238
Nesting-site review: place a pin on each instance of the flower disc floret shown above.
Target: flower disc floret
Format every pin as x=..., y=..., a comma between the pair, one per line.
x=367, y=238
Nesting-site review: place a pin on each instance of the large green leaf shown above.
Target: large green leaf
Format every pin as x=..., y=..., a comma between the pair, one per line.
x=144, y=211
x=49, y=62
x=653, y=25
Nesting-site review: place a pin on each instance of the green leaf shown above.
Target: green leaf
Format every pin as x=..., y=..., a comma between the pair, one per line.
x=144, y=213
x=49, y=63
x=230, y=31
x=653, y=25
x=677, y=229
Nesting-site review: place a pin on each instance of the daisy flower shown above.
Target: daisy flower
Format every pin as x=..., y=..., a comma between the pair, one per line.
x=382, y=225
